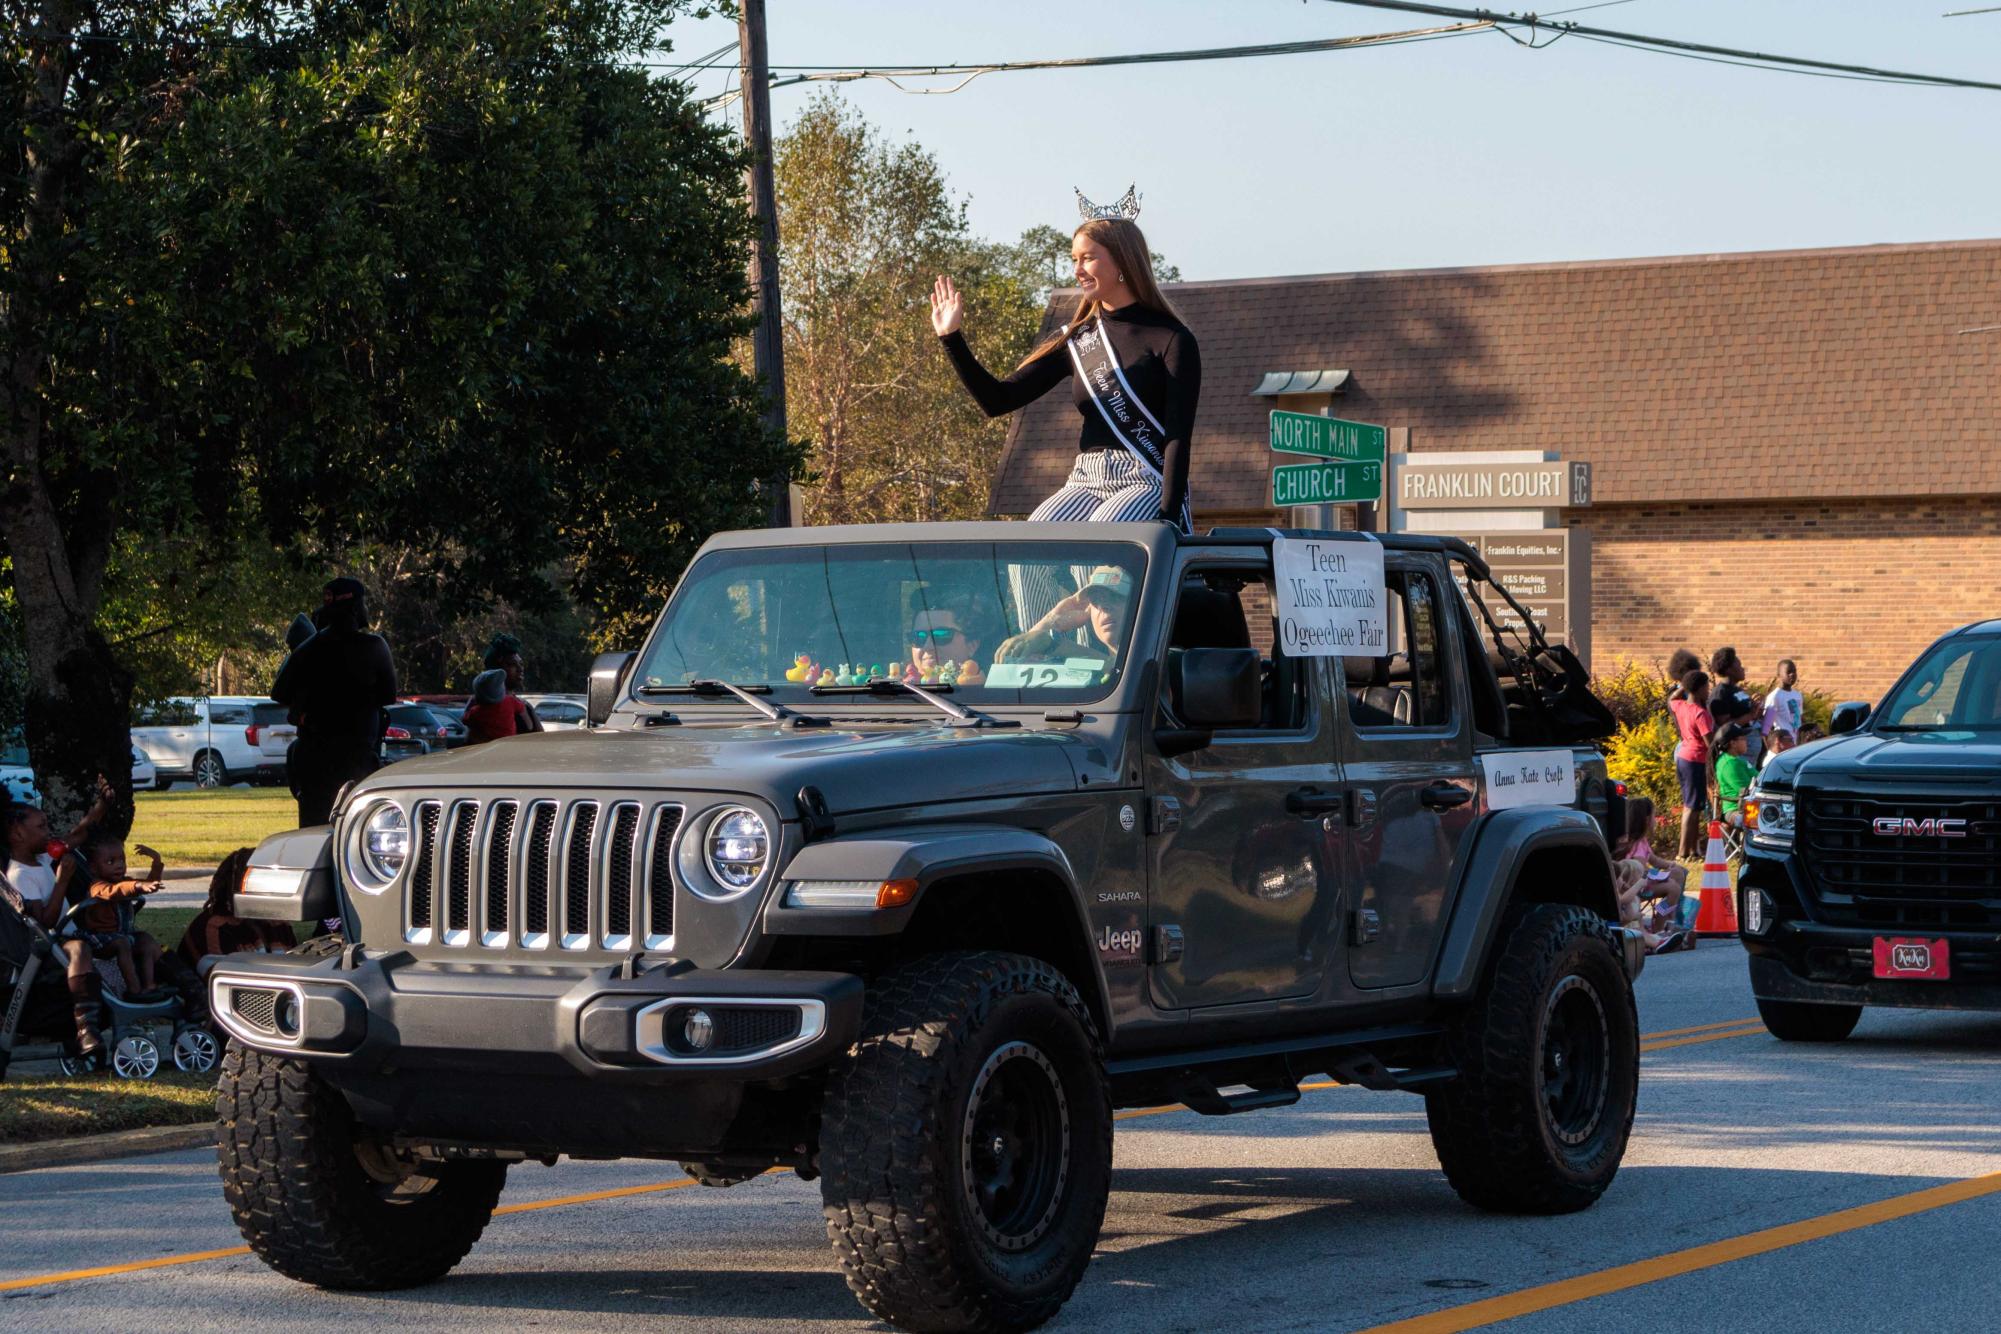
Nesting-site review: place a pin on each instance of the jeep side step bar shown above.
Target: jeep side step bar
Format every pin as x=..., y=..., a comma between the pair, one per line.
x=1272, y=1070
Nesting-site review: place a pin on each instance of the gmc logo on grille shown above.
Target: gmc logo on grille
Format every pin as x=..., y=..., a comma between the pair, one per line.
x=1897, y=826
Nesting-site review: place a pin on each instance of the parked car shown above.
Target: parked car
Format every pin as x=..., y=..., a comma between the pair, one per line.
x=559, y=713
x=214, y=739
x=17, y=776
x=399, y=744
x=144, y=775
x=434, y=724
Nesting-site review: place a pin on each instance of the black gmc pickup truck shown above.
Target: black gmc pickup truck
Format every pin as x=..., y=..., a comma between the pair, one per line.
x=1873, y=873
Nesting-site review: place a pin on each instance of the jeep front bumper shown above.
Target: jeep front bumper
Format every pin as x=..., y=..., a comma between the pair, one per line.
x=360, y=1016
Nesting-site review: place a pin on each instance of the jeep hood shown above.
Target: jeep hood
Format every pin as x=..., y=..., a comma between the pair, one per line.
x=1861, y=760
x=856, y=768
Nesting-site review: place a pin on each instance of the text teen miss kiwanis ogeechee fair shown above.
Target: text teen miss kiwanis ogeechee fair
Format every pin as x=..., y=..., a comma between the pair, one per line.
x=1135, y=372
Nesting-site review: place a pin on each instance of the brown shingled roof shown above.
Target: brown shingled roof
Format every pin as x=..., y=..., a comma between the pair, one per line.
x=1843, y=370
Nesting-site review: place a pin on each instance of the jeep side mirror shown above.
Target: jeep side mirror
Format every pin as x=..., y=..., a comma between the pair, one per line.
x=1847, y=717
x=1217, y=687
x=607, y=675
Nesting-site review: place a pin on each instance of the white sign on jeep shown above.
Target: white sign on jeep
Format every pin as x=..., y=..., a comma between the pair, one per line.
x=1330, y=598
x=1529, y=778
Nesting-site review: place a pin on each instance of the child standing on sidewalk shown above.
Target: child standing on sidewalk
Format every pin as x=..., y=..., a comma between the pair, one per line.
x=1785, y=707
x=1691, y=758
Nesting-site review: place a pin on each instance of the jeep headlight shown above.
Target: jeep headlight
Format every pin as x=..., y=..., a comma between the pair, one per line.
x=1770, y=816
x=738, y=848
x=385, y=843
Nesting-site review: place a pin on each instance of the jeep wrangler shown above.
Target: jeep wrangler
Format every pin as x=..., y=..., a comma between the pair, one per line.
x=1872, y=862
x=900, y=856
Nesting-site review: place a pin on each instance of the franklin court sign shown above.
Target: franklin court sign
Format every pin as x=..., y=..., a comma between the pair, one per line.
x=1492, y=486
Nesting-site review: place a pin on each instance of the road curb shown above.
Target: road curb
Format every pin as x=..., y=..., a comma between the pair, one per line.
x=103, y=1148
x=187, y=872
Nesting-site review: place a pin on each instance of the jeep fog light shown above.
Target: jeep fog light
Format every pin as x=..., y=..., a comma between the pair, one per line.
x=698, y=1030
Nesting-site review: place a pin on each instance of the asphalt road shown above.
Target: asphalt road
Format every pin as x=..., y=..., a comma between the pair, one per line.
x=1768, y=1186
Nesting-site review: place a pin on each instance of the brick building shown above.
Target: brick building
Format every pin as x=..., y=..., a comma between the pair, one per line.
x=1796, y=452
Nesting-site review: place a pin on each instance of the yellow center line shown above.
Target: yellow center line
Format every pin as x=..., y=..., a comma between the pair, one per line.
x=197, y=1257
x=1752, y=1030
x=1529, y=1301
x=1699, y=1028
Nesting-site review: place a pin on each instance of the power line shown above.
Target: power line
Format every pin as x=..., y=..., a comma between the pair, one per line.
x=894, y=73
x=1674, y=46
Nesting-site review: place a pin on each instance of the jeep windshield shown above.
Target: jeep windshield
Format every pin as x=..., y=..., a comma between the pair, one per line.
x=1956, y=687
x=1027, y=623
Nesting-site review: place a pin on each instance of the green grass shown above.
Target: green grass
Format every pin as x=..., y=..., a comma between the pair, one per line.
x=200, y=828
x=58, y=1107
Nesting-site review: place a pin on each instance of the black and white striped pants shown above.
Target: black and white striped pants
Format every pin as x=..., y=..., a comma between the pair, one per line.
x=1104, y=486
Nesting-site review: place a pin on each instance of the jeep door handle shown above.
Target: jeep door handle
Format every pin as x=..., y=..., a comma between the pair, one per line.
x=1314, y=801
x=1444, y=796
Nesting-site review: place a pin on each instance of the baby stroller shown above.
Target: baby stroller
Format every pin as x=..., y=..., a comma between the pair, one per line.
x=137, y=1033
x=34, y=1000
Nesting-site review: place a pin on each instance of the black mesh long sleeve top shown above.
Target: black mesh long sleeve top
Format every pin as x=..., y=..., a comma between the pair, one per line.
x=1160, y=361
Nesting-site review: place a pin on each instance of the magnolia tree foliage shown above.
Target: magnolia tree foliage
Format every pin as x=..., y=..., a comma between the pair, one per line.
x=457, y=277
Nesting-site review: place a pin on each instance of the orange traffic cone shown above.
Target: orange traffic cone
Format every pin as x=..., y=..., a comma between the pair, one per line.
x=1717, y=914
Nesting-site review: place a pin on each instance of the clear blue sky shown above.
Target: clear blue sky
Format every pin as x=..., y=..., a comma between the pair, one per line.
x=1469, y=150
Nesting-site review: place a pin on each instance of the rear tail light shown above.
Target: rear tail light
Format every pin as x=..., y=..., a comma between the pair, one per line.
x=250, y=733
x=397, y=734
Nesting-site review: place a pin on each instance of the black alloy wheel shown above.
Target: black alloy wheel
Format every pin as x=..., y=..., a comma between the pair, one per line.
x=1548, y=1060
x=1576, y=1060
x=1015, y=1152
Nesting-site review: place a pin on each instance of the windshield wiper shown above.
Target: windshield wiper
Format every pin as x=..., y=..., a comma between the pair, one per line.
x=960, y=715
x=777, y=713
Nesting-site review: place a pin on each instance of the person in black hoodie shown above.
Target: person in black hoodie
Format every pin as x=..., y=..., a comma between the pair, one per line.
x=1136, y=376
x=337, y=684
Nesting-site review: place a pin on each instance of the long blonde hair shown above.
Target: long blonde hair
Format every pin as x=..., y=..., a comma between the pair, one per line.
x=1121, y=239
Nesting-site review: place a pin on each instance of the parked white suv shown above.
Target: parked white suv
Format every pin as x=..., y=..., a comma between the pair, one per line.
x=215, y=739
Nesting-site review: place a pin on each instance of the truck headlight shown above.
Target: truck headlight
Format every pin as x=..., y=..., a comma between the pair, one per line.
x=1770, y=815
x=385, y=842
x=738, y=848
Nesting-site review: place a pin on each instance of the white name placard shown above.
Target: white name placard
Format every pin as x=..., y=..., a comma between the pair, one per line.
x=1330, y=598
x=1529, y=778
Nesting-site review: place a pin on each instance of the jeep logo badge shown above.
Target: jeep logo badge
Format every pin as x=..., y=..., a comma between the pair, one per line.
x=1898, y=826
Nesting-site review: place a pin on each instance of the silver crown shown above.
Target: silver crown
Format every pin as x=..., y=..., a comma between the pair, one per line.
x=1127, y=207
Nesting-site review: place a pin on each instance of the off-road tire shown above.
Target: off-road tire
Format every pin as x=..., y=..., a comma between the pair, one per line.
x=1500, y=1139
x=909, y=1234
x=1804, y=1021
x=286, y=1144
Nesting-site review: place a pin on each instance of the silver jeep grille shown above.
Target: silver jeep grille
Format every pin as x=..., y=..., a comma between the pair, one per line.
x=541, y=873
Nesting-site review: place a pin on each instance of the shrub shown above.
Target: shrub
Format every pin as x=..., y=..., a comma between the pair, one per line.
x=1634, y=692
x=1641, y=755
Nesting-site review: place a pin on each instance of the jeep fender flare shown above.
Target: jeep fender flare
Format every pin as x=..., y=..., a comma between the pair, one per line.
x=926, y=855
x=1504, y=845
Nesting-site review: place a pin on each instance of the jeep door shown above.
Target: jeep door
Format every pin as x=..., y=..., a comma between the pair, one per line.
x=1242, y=885
x=1407, y=758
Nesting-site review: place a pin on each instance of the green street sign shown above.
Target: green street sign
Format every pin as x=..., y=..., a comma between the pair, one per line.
x=1327, y=437
x=1326, y=483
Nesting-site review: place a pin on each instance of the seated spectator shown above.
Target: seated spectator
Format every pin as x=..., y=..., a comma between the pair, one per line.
x=1734, y=774
x=36, y=884
x=1778, y=743
x=1650, y=888
x=216, y=929
x=1811, y=732
x=111, y=902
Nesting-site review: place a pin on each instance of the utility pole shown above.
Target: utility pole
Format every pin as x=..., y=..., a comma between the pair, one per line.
x=768, y=340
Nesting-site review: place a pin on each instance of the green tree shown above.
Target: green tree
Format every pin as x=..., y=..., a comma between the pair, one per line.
x=457, y=277
x=864, y=226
